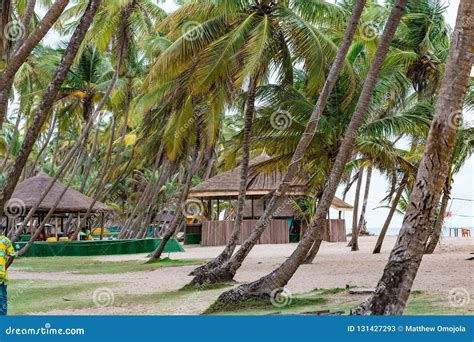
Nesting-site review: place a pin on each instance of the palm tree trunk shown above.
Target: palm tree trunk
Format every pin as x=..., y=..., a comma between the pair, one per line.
x=244, y=171
x=210, y=165
x=366, y=198
x=9, y=146
x=355, y=237
x=434, y=239
x=265, y=286
x=175, y=223
x=90, y=159
x=228, y=269
x=130, y=225
x=20, y=56
x=393, y=208
x=25, y=22
x=355, y=211
x=162, y=178
x=56, y=149
x=48, y=101
x=5, y=18
x=393, y=289
x=43, y=147
x=102, y=180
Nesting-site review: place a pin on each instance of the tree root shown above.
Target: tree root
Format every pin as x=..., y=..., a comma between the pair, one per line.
x=213, y=276
x=209, y=266
x=261, y=289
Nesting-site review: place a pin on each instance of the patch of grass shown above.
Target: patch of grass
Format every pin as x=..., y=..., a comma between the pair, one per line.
x=33, y=296
x=421, y=303
x=88, y=265
x=336, y=299
x=265, y=306
x=334, y=290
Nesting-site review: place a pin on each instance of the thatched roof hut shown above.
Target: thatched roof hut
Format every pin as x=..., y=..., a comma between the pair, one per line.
x=28, y=193
x=226, y=185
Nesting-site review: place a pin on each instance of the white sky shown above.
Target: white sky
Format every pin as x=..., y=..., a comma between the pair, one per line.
x=463, y=186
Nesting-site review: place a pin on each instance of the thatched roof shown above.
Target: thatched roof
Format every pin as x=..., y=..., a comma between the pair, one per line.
x=226, y=185
x=28, y=192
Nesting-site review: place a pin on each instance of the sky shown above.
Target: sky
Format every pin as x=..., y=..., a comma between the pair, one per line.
x=463, y=186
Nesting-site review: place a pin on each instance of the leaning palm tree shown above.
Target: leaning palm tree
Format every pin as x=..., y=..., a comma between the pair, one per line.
x=463, y=149
x=288, y=17
x=393, y=289
x=48, y=101
x=273, y=283
x=23, y=51
x=239, y=44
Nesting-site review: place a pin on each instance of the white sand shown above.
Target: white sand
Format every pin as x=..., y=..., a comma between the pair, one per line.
x=335, y=266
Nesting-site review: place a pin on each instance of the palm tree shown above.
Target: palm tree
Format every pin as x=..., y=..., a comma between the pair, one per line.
x=266, y=285
x=227, y=270
x=48, y=101
x=355, y=213
x=22, y=53
x=393, y=209
x=241, y=43
x=462, y=151
x=393, y=289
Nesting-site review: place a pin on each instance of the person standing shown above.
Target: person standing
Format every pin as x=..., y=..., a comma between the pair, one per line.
x=7, y=255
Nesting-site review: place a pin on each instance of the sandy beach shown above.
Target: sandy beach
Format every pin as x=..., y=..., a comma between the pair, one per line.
x=335, y=267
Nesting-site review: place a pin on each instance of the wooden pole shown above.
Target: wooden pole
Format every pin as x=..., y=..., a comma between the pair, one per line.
x=253, y=216
x=209, y=209
x=79, y=225
x=101, y=225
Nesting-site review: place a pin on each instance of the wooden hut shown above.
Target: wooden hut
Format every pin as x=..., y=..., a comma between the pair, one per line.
x=214, y=226
x=28, y=193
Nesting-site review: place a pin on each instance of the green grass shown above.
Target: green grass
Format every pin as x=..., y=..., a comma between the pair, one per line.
x=336, y=299
x=35, y=296
x=88, y=265
x=32, y=296
x=334, y=290
x=265, y=306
